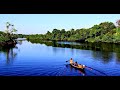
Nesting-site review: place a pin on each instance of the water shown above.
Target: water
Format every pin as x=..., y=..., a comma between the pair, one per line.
x=37, y=58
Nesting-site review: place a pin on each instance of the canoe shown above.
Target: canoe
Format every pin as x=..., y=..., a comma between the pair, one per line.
x=78, y=67
x=81, y=71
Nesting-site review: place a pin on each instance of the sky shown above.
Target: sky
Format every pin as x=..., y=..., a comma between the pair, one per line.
x=41, y=23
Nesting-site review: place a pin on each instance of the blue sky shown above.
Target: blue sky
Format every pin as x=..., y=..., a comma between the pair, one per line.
x=41, y=23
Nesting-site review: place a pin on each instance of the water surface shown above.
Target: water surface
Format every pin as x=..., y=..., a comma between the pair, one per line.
x=38, y=58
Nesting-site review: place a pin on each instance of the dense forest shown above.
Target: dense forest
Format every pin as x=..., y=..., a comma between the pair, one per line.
x=104, y=32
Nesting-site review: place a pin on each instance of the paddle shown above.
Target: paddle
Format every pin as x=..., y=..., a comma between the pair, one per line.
x=67, y=61
x=89, y=67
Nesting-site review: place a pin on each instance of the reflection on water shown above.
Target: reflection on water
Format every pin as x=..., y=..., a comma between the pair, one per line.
x=47, y=58
x=9, y=53
x=105, y=56
x=118, y=57
x=19, y=42
x=99, y=50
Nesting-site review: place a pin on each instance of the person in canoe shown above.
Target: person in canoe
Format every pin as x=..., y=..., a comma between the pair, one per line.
x=76, y=64
x=79, y=65
x=71, y=61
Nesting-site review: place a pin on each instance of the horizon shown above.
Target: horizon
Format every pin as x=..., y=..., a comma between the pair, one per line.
x=41, y=23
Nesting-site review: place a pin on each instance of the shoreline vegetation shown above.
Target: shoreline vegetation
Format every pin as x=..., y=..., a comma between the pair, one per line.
x=105, y=32
x=7, y=37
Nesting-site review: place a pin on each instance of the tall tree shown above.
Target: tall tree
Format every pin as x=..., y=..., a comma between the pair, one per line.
x=10, y=30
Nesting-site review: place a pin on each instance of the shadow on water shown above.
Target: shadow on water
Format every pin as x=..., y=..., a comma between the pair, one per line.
x=9, y=53
x=99, y=50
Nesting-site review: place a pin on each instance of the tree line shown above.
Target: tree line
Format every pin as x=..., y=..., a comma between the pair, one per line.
x=103, y=32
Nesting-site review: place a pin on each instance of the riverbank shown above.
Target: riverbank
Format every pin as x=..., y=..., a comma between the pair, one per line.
x=8, y=43
x=79, y=41
x=105, y=32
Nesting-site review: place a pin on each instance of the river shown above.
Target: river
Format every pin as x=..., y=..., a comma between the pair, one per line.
x=34, y=58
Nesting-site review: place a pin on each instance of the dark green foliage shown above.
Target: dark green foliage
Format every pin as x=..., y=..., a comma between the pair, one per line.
x=8, y=34
x=104, y=32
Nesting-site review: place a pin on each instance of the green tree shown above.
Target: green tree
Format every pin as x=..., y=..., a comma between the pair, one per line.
x=10, y=30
